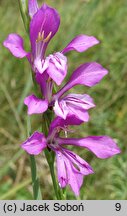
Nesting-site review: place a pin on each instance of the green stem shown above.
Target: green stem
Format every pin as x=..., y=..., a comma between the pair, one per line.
x=35, y=180
x=23, y=5
x=51, y=166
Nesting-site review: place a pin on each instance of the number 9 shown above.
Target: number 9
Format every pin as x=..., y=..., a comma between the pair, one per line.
x=118, y=206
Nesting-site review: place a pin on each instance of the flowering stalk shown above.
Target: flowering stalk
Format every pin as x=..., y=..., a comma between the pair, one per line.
x=46, y=122
x=23, y=5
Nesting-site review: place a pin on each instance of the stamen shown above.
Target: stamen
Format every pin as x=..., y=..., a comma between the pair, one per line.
x=49, y=80
x=47, y=38
x=39, y=36
x=49, y=89
x=65, y=133
x=58, y=129
x=42, y=36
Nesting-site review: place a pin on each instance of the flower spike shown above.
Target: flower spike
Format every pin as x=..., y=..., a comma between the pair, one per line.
x=70, y=167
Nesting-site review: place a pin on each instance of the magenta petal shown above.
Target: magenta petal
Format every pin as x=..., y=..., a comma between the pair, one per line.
x=83, y=101
x=15, y=44
x=59, y=122
x=74, y=104
x=61, y=170
x=61, y=109
x=35, y=105
x=57, y=68
x=78, y=104
x=34, y=144
x=46, y=19
x=75, y=179
x=41, y=79
x=82, y=165
x=81, y=43
x=33, y=7
x=67, y=173
x=79, y=180
x=80, y=113
x=101, y=146
x=88, y=74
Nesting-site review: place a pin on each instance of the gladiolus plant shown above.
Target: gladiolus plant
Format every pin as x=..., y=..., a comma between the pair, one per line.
x=59, y=109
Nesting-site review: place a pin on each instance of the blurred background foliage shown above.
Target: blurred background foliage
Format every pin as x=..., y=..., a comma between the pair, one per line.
x=107, y=20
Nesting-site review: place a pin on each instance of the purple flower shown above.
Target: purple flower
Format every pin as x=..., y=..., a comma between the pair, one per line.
x=35, y=104
x=43, y=26
x=88, y=74
x=70, y=167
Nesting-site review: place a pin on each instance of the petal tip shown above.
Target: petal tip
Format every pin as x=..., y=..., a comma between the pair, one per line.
x=118, y=150
x=29, y=113
x=96, y=41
